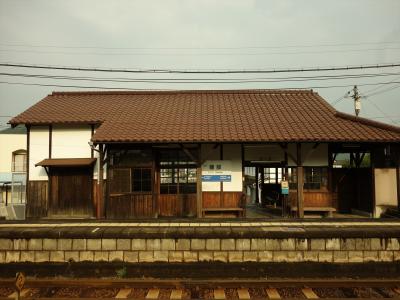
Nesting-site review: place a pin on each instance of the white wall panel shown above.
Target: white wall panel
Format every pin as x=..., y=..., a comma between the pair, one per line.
x=38, y=150
x=71, y=141
x=8, y=144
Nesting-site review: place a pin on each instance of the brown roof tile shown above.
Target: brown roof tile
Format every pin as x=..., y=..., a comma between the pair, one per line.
x=207, y=116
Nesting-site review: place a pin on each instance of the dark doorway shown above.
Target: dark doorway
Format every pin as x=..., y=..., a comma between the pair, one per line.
x=71, y=192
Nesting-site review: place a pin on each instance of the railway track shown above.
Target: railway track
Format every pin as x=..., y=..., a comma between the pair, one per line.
x=202, y=289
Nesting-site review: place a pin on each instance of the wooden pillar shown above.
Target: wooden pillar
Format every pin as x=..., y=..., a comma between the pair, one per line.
x=199, y=196
x=300, y=183
x=100, y=184
x=398, y=179
x=28, y=138
x=257, y=198
x=221, y=157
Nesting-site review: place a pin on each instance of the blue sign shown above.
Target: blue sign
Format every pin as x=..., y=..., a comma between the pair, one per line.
x=216, y=178
x=285, y=191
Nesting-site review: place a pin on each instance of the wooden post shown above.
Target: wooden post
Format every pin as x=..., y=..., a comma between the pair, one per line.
x=300, y=184
x=100, y=183
x=28, y=138
x=257, y=198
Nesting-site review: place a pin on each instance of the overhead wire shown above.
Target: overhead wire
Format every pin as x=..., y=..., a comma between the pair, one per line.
x=198, y=71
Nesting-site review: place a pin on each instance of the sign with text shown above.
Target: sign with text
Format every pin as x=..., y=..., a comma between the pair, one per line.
x=285, y=187
x=216, y=178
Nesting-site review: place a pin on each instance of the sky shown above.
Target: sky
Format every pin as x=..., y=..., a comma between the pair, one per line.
x=203, y=35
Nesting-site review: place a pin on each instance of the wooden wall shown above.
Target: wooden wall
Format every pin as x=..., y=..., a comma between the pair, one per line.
x=314, y=198
x=229, y=199
x=182, y=205
x=130, y=206
x=37, y=200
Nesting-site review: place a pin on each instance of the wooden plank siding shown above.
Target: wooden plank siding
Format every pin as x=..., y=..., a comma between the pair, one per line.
x=130, y=206
x=313, y=198
x=229, y=199
x=177, y=205
x=36, y=206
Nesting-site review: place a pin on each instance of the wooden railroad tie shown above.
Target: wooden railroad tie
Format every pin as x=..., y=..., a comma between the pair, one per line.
x=243, y=294
x=153, y=294
x=219, y=294
x=23, y=293
x=272, y=293
x=123, y=293
x=176, y=294
x=309, y=293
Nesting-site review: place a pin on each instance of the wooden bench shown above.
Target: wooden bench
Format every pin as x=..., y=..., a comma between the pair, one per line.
x=238, y=210
x=328, y=211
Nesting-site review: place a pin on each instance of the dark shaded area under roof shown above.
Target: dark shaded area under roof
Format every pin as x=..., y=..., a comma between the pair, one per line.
x=207, y=116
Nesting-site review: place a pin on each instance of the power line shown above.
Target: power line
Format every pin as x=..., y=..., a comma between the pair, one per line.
x=202, y=80
x=131, y=89
x=220, y=71
x=196, y=54
x=378, y=108
x=198, y=48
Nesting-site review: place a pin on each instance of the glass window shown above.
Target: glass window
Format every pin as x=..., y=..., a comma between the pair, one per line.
x=141, y=180
x=315, y=178
x=120, y=181
x=19, y=161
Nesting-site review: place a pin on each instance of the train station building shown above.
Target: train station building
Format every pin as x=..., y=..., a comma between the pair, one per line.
x=195, y=154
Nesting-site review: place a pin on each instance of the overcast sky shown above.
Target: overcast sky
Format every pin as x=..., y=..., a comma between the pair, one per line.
x=203, y=35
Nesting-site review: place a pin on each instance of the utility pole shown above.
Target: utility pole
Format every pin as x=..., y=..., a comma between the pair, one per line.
x=357, y=100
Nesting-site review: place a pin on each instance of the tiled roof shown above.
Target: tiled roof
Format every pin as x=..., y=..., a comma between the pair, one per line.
x=207, y=116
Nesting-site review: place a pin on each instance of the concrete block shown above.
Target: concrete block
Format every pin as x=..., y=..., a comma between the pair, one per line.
x=93, y=244
x=393, y=244
x=124, y=244
x=12, y=256
x=198, y=244
x=257, y=244
x=356, y=256
x=175, y=256
x=79, y=244
x=108, y=244
x=42, y=256
x=138, y=244
x=332, y=244
x=288, y=244
x=57, y=256
x=6, y=244
x=378, y=244
x=153, y=244
x=221, y=256
x=50, y=244
x=182, y=244
x=101, y=256
x=2, y=257
x=146, y=256
x=265, y=256
x=325, y=256
x=280, y=256
x=235, y=256
x=311, y=256
x=250, y=256
x=371, y=256
x=301, y=244
x=272, y=244
x=190, y=256
x=340, y=256
x=347, y=244
x=206, y=256
x=360, y=245
x=115, y=256
x=396, y=255
x=19, y=244
x=72, y=256
x=35, y=244
x=167, y=244
x=131, y=256
x=161, y=256
x=295, y=256
x=228, y=244
x=86, y=255
x=386, y=256
x=317, y=244
x=64, y=244
x=243, y=244
x=27, y=256
x=213, y=244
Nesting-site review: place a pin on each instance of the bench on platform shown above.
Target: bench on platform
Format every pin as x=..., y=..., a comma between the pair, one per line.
x=328, y=211
x=238, y=210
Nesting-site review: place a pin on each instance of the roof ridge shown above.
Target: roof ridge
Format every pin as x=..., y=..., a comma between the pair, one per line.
x=366, y=121
x=168, y=92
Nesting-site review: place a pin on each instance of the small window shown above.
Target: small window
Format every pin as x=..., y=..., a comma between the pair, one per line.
x=141, y=180
x=19, y=161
